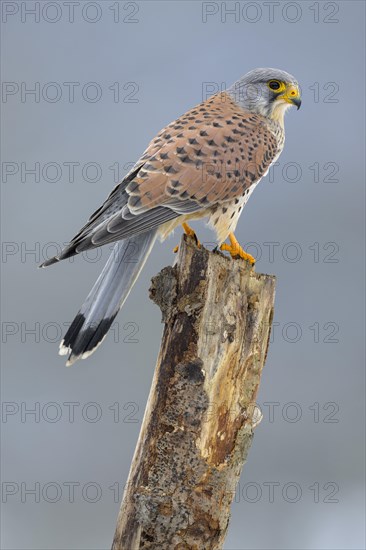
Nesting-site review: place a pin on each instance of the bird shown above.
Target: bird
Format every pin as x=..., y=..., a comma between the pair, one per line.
x=205, y=164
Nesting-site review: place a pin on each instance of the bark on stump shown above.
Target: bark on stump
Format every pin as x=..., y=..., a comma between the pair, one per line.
x=199, y=419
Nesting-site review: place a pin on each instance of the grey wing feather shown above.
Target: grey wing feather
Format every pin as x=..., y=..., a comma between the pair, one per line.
x=117, y=227
x=114, y=221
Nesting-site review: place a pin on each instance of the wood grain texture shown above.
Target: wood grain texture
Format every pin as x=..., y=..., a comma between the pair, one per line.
x=199, y=419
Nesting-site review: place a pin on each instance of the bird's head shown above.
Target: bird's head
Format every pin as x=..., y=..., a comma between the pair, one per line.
x=268, y=92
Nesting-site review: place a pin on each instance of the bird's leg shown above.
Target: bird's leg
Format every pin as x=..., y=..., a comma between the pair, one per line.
x=236, y=250
x=188, y=231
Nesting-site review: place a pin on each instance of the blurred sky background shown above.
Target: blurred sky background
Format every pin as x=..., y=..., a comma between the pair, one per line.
x=303, y=484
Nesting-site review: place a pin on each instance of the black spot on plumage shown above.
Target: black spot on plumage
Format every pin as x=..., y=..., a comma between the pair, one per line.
x=181, y=151
x=192, y=141
x=134, y=201
x=186, y=159
x=170, y=170
x=203, y=133
x=175, y=183
x=224, y=210
x=217, y=125
x=132, y=186
x=184, y=195
x=150, y=167
x=164, y=156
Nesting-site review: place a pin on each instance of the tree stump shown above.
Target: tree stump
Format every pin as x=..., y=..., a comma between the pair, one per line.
x=199, y=419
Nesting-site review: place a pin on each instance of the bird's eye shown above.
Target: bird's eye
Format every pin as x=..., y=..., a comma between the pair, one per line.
x=274, y=84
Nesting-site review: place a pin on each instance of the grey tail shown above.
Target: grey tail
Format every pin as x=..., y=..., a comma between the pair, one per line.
x=107, y=296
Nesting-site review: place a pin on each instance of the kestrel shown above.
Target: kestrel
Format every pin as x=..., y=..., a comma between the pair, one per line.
x=205, y=164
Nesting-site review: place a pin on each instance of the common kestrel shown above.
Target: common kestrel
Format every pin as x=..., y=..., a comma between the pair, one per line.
x=205, y=164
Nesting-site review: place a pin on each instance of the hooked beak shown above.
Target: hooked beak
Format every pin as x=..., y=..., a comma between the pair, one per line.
x=292, y=96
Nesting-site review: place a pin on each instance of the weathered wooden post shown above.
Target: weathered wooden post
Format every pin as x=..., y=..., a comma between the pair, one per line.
x=200, y=415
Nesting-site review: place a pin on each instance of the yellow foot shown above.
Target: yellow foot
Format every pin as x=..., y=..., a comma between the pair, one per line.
x=188, y=231
x=236, y=250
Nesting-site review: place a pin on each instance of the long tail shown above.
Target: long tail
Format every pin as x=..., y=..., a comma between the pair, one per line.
x=107, y=296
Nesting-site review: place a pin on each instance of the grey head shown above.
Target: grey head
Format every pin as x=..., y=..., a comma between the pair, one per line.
x=268, y=92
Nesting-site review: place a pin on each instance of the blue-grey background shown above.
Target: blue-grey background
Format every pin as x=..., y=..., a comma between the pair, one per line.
x=302, y=487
